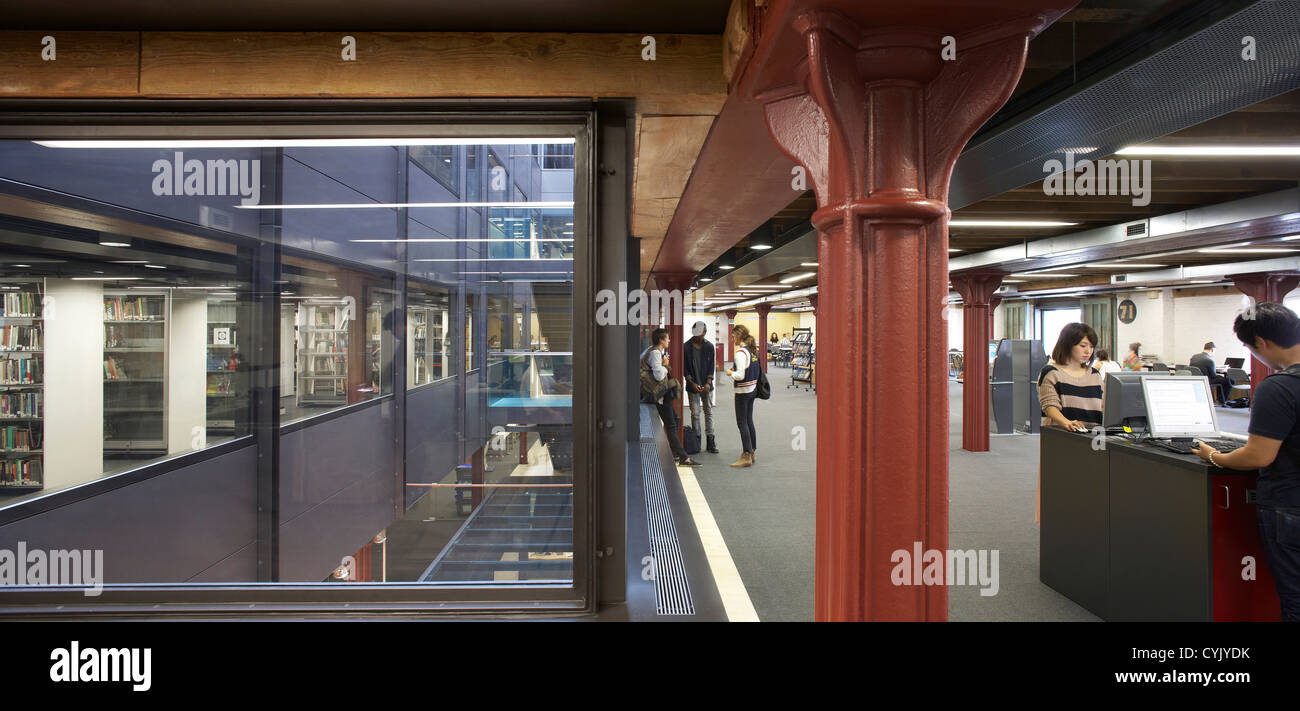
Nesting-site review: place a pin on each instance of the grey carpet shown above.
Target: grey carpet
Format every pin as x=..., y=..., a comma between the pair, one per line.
x=766, y=512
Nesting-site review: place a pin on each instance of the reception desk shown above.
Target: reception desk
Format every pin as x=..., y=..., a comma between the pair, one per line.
x=1132, y=532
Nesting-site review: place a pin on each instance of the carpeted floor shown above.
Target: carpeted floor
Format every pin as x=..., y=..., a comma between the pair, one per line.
x=766, y=512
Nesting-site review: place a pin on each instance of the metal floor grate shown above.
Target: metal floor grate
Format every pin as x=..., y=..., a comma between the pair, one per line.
x=672, y=590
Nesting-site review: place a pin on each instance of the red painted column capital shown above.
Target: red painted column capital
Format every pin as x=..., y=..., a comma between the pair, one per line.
x=1264, y=287
x=860, y=96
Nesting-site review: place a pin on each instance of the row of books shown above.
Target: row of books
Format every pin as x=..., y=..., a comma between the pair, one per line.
x=20, y=371
x=20, y=405
x=19, y=438
x=20, y=338
x=20, y=304
x=133, y=308
x=221, y=361
x=20, y=472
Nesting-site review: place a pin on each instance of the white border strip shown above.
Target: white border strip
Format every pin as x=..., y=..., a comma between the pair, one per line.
x=735, y=599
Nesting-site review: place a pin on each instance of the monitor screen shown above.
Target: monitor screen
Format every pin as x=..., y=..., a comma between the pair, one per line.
x=1124, y=403
x=1179, y=406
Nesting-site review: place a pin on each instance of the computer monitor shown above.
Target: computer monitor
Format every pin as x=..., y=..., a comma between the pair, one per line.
x=1125, y=405
x=1234, y=362
x=1180, y=406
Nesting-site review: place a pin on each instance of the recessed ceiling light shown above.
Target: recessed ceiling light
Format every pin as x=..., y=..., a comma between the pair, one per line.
x=114, y=244
x=798, y=277
x=726, y=266
x=760, y=246
x=1009, y=223
x=951, y=250
x=1013, y=281
x=154, y=266
x=22, y=265
x=809, y=264
x=105, y=278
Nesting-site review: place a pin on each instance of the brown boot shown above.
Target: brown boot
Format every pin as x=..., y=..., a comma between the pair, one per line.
x=746, y=459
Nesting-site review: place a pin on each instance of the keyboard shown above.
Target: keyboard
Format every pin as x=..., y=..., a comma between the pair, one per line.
x=1187, y=447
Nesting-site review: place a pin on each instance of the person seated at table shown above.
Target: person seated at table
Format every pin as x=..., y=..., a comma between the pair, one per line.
x=1133, y=361
x=1105, y=364
x=1204, y=361
x=785, y=340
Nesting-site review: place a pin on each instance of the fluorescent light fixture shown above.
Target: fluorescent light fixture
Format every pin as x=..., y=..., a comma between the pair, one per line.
x=728, y=267
x=1112, y=265
x=301, y=142
x=1013, y=281
x=809, y=264
x=452, y=240
x=1210, y=151
x=1248, y=250
x=113, y=243
x=951, y=250
x=705, y=279
x=798, y=277
x=22, y=265
x=129, y=261
x=392, y=205
x=105, y=278
x=760, y=246
x=1046, y=276
x=1203, y=281
x=154, y=266
x=1009, y=223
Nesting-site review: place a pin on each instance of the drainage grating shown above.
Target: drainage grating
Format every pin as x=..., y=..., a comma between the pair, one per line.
x=672, y=591
x=647, y=428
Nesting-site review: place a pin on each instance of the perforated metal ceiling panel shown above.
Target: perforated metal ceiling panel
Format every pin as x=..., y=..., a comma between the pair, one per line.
x=1195, y=79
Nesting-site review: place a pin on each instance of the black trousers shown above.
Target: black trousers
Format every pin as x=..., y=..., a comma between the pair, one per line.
x=745, y=421
x=669, y=417
x=1221, y=385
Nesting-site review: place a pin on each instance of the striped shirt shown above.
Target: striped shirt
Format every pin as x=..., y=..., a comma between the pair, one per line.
x=1077, y=398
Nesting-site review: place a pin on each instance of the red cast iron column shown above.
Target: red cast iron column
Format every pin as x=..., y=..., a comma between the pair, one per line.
x=763, y=310
x=678, y=284
x=861, y=97
x=731, y=349
x=976, y=290
x=1262, y=287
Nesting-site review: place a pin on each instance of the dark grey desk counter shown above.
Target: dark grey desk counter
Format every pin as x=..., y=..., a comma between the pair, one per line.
x=1133, y=532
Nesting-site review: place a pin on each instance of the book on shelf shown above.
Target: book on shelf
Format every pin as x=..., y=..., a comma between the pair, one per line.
x=19, y=438
x=133, y=308
x=20, y=405
x=23, y=304
x=20, y=472
x=25, y=338
x=21, y=371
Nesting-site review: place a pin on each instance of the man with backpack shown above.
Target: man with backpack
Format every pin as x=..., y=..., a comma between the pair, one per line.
x=1272, y=334
x=658, y=388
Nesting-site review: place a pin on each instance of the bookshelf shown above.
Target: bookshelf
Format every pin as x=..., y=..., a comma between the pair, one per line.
x=802, y=364
x=428, y=325
x=135, y=368
x=323, y=326
x=22, y=378
x=222, y=366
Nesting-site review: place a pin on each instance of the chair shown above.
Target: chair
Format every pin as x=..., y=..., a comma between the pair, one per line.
x=1159, y=368
x=1240, y=381
x=1186, y=370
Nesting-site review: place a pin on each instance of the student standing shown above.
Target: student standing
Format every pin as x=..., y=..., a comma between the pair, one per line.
x=656, y=359
x=1069, y=388
x=1273, y=337
x=699, y=382
x=745, y=373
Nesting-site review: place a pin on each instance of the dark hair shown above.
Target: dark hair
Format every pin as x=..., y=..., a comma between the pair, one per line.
x=658, y=335
x=1070, y=337
x=1209, y=346
x=1103, y=354
x=1134, y=346
x=1271, y=321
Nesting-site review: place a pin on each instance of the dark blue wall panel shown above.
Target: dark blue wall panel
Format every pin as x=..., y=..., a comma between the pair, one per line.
x=167, y=529
x=431, y=445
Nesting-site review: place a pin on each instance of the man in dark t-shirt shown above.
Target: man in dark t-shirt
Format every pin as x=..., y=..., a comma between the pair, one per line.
x=1271, y=332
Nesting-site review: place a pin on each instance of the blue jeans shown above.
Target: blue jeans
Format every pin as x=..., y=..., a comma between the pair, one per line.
x=745, y=421
x=1280, y=529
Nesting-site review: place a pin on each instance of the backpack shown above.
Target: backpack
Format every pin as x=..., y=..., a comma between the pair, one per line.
x=651, y=389
x=763, y=390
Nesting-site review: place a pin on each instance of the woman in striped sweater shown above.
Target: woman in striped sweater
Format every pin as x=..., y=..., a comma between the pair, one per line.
x=1069, y=388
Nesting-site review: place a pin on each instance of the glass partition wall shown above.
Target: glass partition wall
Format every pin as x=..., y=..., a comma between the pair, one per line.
x=372, y=338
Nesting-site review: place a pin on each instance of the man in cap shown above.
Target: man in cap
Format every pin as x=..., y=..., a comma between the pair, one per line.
x=699, y=371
